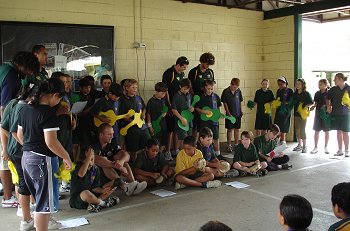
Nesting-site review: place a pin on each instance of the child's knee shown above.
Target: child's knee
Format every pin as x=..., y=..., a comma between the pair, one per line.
x=236, y=165
x=263, y=164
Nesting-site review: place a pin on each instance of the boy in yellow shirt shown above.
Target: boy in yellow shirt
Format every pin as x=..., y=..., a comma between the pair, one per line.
x=189, y=171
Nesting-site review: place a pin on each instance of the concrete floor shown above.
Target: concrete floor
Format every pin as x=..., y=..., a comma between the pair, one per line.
x=253, y=208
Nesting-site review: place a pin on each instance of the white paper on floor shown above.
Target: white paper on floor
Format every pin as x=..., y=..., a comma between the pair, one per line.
x=71, y=223
x=163, y=193
x=237, y=184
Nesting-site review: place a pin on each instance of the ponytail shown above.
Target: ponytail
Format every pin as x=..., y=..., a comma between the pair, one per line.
x=51, y=86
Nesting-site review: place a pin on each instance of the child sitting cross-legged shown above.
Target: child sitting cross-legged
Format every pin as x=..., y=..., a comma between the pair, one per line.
x=246, y=159
x=217, y=167
x=190, y=167
x=86, y=192
x=151, y=166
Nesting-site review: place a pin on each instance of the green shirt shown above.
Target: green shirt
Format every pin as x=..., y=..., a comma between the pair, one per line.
x=245, y=155
x=147, y=164
x=181, y=102
x=36, y=79
x=303, y=98
x=342, y=225
x=263, y=146
x=172, y=79
x=198, y=77
x=335, y=95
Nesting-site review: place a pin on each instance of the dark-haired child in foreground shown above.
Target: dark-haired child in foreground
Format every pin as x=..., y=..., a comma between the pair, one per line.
x=205, y=145
x=151, y=166
x=341, y=206
x=187, y=172
x=215, y=226
x=295, y=213
x=86, y=192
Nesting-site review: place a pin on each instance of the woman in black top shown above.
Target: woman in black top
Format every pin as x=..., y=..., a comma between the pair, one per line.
x=37, y=131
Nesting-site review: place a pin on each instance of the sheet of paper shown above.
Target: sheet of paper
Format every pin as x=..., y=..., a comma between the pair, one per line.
x=71, y=223
x=280, y=148
x=163, y=193
x=237, y=184
x=78, y=107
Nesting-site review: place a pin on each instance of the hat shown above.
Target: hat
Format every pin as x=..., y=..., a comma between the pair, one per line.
x=283, y=79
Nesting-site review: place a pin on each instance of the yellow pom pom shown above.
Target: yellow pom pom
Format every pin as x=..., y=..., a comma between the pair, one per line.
x=345, y=100
x=64, y=174
x=303, y=111
x=267, y=107
x=276, y=103
x=14, y=174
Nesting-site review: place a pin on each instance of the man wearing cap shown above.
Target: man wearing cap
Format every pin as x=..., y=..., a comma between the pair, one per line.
x=172, y=77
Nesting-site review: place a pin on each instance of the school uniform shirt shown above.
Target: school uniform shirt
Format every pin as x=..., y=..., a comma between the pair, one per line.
x=197, y=78
x=342, y=225
x=285, y=95
x=109, y=151
x=208, y=101
x=89, y=181
x=303, y=98
x=35, y=120
x=261, y=97
x=208, y=152
x=147, y=164
x=264, y=146
x=245, y=155
x=181, y=101
x=10, y=83
x=172, y=79
x=320, y=99
x=154, y=109
x=130, y=102
x=233, y=101
x=335, y=95
x=184, y=161
x=36, y=79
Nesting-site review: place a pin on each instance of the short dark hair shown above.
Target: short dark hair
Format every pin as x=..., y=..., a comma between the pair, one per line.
x=27, y=60
x=116, y=89
x=50, y=86
x=190, y=140
x=182, y=61
x=103, y=77
x=37, y=48
x=215, y=226
x=207, y=58
x=185, y=83
x=341, y=196
x=296, y=211
x=103, y=127
x=274, y=128
x=247, y=134
x=205, y=132
x=91, y=80
x=160, y=87
x=208, y=82
x=57, y=74
x=84, y=82
x=235, y=81
x=152, y=142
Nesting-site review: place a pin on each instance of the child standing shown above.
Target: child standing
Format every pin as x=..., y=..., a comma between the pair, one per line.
x=283, y=113
x=151, y=166
x=86, y=192
x=341, y=206
x=205, y=145
x=154, y=111
x=105, y=82
x=182, y=101
x=211, y=100
x=232, y=99
x=246, y=156
x=136, y=137
x=186, y=171
x=295, y=213
x=319, y=124
x=340, y=112
x=303, y=97
x=262, y=96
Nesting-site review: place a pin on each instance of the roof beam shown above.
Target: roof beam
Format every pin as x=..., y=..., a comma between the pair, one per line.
x=313, y=7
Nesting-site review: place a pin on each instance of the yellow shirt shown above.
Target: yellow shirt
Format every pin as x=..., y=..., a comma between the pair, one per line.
x=184, y=161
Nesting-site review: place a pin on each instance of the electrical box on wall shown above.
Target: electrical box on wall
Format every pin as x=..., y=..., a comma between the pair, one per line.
x=139, y=45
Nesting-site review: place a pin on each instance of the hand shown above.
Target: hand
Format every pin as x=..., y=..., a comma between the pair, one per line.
x=155, y=175
x=151, y=131
x=183, y=121
x=281, y=154
x=268, y=159
x=90, y=155
x=206, y=112
x=67, y=163
x=5, y=155
x=62, y=110
x=191, y=109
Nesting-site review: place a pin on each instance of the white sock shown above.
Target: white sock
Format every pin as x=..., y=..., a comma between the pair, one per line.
x=102, y=203
x=217, y=153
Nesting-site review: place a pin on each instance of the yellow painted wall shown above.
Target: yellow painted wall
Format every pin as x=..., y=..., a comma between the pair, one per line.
x=244, y=45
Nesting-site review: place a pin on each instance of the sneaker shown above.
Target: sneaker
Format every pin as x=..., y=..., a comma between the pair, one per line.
x=179, y=186
x=140, y=187
x=167, y=156
x=282, y=143
x=10, y=203
x=304, y=150
x=243, y=173
x=232, y=173
x=53, y=224
x=64, y=188
x=326, y=150
x=214, y=184
x=286, y=166
x=262, y=172
x=229, y=148
x=93, y=208
x=130, y=188
x=27, y=225
x=314, y=151
x=347, y=153
x=339, y=153
x=297, y=148
x=112, y=201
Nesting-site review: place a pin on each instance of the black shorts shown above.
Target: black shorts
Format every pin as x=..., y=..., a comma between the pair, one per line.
x=22, y=186
x=170, y=123
x=162, y=137
x=283, y=121
x=195, y=175
x=237, y=125
x=136, y=139
x=341, y=123
x=78, y=203
x=263, y=122
x=196, y=121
